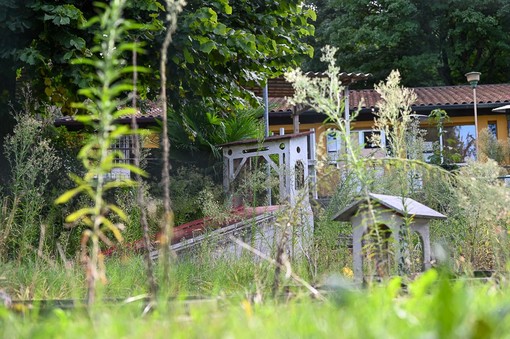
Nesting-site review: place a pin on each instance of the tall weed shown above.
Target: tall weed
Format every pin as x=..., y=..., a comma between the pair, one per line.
x=478, y=218
x=102, y=109
x=32, y=160
x=323, y=95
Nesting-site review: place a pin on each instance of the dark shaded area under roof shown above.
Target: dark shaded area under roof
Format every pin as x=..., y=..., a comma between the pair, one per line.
x=147, y=115
x=455, y=100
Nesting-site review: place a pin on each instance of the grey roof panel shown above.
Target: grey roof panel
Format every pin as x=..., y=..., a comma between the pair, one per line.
x=407, y=206
x=403, y=206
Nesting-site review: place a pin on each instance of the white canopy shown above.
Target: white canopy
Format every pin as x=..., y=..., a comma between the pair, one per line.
x=501, y=109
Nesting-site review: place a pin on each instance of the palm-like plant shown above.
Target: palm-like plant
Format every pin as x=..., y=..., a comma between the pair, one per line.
x=197, y=130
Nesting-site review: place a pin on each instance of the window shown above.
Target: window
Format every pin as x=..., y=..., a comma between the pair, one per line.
x=493, y=128
x=333, y=144
x=456, y=144
x=123, y=146
x=365, y=138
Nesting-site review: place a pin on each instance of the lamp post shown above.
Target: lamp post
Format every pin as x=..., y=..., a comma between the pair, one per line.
x=473, y=78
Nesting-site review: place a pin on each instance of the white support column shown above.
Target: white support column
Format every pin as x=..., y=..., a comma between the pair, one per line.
x=357, y=251
x=265, y=94
x=226, y=172
x=347, y=114
x=424, y=232
x=312, y=162
x=425, y=238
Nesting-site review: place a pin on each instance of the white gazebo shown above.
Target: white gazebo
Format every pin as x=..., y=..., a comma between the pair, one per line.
x=291, y=158
x=388, y=212
x=286, y=154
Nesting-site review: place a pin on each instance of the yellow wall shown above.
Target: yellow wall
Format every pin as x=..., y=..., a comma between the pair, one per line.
x=333, y=175
x=483, y=122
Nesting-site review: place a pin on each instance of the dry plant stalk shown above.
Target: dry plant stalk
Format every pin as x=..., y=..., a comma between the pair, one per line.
x=323, y=95
x=174, y=7
x=492, y=148
x=293, y=275
x=8, y=214
x=394, y=115
x=153, y=288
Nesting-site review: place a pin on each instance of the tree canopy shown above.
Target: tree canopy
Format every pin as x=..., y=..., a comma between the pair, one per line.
x=431, y=42
x=39, y=38
x=220, y=45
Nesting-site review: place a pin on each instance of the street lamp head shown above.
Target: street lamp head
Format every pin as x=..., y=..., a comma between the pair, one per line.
x=473, y=78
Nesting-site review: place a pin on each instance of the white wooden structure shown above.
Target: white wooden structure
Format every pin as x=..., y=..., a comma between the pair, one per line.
x=387, y=211
x=288, y=157
x=286, y=154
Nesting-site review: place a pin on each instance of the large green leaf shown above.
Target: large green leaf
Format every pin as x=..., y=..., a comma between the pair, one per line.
x=68, y=195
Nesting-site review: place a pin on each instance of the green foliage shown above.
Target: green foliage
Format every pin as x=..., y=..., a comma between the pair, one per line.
x=40, y=37
x=187, y=187
x=219, y=47
x=484, y=215
x=32, y=160
x=446, y=155
x=222, y=45
x=430, y=42
x=126, y=200
x=196, y=131
x=492, y=148
x=330, y=250
x=476, y=204
x=434, y=306
x=50, y=280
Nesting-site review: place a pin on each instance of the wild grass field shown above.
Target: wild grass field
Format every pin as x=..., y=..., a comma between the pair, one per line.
x=432, y=306
x=55, y=280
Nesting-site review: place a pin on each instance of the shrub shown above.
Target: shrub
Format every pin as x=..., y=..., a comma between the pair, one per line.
x=492, y=148
x=477, y=206
x=186, y=184
x=32, y=160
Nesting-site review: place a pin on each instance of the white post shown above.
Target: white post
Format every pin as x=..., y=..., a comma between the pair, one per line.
x=441, y=145
x=312, y=162
x=266, y=109
x=347, y=115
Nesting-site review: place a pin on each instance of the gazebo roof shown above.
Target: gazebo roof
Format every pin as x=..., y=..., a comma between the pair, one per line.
x=403, y=206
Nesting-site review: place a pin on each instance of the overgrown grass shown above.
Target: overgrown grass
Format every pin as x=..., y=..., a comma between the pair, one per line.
x=126, y=278
x=432, y=306
x=37, y=280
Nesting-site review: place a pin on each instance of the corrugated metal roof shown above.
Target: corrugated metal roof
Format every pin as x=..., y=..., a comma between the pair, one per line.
x=403, y=206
